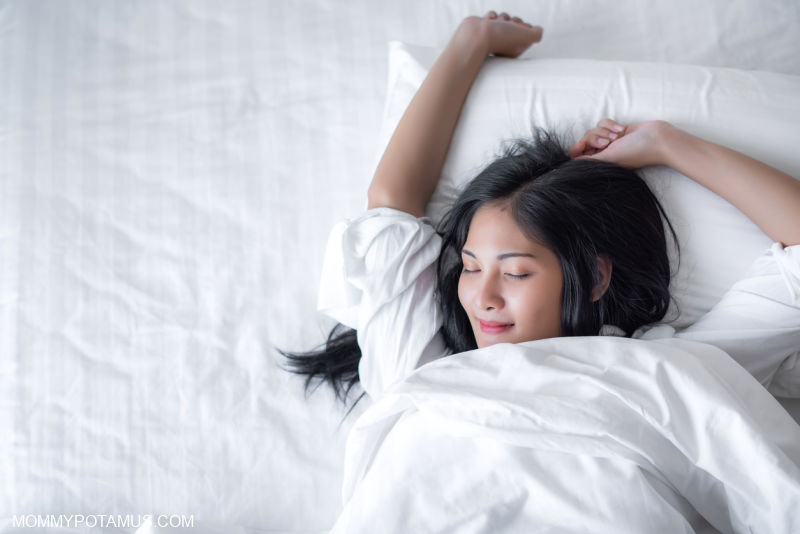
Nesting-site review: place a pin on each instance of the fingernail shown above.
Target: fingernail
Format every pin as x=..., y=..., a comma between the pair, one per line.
x=617, y=128
x=612, y=136
x=602, y=142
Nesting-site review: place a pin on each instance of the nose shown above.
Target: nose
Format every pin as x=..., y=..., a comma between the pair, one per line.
x=489, y=296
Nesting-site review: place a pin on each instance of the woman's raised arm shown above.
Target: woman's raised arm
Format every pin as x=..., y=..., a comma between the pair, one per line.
x=410, y=167
x=769, y=197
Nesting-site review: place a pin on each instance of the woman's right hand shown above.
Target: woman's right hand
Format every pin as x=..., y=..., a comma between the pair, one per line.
x=633, y=146
x=505, y=35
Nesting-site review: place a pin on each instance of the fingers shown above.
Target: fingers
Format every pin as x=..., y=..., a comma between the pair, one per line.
x=492, y=15
x=611, y=125
x=582, y=149
x=537, y=32
x=598, y=138
x=577, y=149
x=604, y=133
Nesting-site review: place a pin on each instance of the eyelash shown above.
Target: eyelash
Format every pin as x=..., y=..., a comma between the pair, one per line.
x=517, y=276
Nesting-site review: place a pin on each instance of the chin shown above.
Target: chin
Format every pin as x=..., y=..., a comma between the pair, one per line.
x=483, y=344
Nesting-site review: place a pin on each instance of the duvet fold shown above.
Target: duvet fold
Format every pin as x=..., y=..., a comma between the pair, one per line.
x=594, y=434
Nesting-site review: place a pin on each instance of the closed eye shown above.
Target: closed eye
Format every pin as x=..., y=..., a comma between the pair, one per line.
x=516, y=276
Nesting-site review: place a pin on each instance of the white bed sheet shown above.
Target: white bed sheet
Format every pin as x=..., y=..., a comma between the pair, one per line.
x=169, y=172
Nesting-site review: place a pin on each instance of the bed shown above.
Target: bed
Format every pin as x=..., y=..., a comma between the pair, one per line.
x=169, y=174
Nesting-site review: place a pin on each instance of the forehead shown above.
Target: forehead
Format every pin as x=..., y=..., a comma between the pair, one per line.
x=493, y=229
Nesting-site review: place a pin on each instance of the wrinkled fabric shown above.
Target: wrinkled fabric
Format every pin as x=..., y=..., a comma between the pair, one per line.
x=378, y=277
x=592, y=434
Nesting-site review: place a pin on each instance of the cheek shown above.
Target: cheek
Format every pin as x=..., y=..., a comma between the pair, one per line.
x=533, y=302
x=523, y=302
x=556, y=286
x=462, y=292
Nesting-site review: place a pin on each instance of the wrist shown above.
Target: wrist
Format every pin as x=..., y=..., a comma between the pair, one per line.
x=473, y=34
x=669, y=137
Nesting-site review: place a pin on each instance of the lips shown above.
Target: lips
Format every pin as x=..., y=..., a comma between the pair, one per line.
x=495, y=327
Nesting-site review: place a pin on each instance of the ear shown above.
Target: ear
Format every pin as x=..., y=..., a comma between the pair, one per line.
x=604, y=268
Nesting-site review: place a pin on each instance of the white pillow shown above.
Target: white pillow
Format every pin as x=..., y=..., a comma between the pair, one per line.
x=754, y=112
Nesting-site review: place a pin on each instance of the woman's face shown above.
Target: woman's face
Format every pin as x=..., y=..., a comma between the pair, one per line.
x=510, y=286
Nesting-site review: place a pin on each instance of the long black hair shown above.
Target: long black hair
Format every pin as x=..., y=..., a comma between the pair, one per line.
x=578, y=208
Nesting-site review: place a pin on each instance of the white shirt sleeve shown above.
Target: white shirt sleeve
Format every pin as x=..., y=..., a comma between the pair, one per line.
x=757, y=322
x=378, y=277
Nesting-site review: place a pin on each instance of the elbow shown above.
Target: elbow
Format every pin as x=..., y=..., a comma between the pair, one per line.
x=375, y=197
x=378, y=198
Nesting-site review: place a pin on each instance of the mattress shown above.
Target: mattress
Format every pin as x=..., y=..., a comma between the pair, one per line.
x=169, y=173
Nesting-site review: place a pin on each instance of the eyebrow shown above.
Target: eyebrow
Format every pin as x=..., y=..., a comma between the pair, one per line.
x=502, y=256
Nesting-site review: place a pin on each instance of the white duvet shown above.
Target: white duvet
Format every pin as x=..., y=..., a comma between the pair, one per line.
x=597, y=434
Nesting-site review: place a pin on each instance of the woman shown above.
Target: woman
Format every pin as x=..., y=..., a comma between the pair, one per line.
x=542, y=243
x=544, y=429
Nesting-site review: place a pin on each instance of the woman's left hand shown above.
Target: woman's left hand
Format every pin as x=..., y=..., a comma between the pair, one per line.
x=634, y=145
